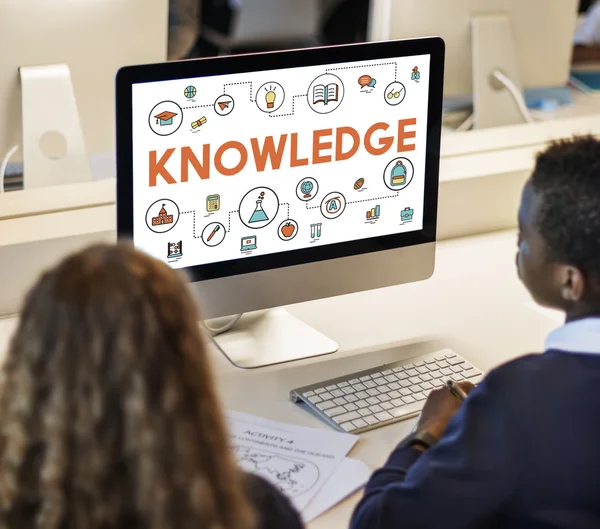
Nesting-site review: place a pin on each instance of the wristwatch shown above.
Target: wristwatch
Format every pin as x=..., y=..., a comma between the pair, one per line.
x=420, y=437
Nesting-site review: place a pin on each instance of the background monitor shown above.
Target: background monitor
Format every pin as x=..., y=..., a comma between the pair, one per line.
x=529, y=41
x=94, y=39
x=284, y=177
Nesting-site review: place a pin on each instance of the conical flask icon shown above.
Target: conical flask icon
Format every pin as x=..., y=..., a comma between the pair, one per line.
x=259, y=214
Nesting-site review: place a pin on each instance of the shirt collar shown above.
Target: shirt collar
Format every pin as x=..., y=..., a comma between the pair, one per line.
x=579, y=336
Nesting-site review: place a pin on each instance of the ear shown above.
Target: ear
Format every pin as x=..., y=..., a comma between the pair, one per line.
x=573, y=284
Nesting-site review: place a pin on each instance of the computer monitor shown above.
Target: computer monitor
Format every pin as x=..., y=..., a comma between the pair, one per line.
x=94, y=39
x=279, y=178
x=529, y=42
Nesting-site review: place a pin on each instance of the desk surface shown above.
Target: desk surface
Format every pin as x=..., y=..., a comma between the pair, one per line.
x=474, y=304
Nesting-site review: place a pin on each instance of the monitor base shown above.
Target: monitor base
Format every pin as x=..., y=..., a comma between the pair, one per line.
x=271, y=337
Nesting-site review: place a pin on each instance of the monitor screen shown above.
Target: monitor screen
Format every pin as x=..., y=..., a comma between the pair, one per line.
x=258, y=164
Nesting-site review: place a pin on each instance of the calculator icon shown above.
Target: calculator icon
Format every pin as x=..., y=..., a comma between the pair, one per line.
x=213, y=203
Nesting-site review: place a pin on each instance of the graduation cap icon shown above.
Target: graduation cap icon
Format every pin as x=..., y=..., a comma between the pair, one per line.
x=165, y=118
x=223, y=104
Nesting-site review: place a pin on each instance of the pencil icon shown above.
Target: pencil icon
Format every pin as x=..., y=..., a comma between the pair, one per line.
x=212, y=233
x=201, y=121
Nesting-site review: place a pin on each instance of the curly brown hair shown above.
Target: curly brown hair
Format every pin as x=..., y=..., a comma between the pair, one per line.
x=109, y=414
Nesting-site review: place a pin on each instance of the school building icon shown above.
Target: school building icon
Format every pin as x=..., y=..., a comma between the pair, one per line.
x=163, y=217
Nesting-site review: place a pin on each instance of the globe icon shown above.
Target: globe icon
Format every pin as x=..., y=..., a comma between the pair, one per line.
x=189, y=92
x=306, y=188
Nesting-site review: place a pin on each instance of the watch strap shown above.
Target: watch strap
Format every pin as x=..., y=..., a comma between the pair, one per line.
x=420, y=437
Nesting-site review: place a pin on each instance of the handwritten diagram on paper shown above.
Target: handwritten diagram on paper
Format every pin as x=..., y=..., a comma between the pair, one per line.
x=297, y=460
x=292, y=476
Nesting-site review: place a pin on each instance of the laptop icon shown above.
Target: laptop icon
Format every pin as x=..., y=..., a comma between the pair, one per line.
x=249, y=243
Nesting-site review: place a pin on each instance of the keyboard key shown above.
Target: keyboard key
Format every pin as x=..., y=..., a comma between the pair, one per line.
x=319, y=391
x=387, y=405
x=398, y=369
x=376, y=409
x=394, y=394
x=430, y=361
x=394, y=386
x=364, y=412
x=439, y=358
x=447, y=372
x=408, y=400
x=370, y=384
x=379, y=381
x=351, y=407
x=384, y=416
x=337, y=393
x=412, y=372
x=348, y=426
x=315, y=399
x=371, y=420
x=359, y=423
x=419, y=364
x=331, y=388
x=362, y=403
x=427, y=386
x=455, y=361
x=476, y=379
x=362, y=394
x=402, y=376
x=426, y=377
x=406, y=383
x=343, y=385
x=365, y=378
x=383, y=398
x=326, y=395
x=450, y=355
x=373, y=401
x=349, y=390
x=350, y=398
x=407, y=409
x=308, y=394
x=435, y=374
x=423, y=369
x=384, y=388
x=443, y=363
x=414, y=380
x=325, y=405
x=340, y=401
x=405, y=391
x=408, y=367
x=359, y=387
x=350, y=416
x=373, y=392
x=354, y=381
x=457, y=368
x=335, y=411
x=387, y=372
x=391, y=378
x=419, y=396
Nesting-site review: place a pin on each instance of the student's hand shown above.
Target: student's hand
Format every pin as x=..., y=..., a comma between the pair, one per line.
x=440, y=407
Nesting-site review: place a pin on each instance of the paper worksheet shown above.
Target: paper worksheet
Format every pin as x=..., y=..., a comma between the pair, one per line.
x=296, y=459
x=350, y=476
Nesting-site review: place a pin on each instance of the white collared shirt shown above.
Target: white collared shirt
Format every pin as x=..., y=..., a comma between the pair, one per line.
x=580, y=336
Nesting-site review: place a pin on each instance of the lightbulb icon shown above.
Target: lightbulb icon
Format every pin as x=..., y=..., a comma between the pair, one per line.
x=270, y=96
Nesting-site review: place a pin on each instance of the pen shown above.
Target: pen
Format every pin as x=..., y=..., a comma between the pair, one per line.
x=213, y=233
x=456, y=390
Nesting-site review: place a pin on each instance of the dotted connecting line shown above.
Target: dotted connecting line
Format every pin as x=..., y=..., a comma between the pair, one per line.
x=288, y=209
x=373, y=199
x=292, y=112
x=311, y=207
x=229, y=220
x=193, y=222
x=367, y=66
x=197, y=106
x=241, y=82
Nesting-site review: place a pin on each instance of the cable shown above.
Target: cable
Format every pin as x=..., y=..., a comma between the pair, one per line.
x=220, y=330
x=4, y=165
x=516, y=94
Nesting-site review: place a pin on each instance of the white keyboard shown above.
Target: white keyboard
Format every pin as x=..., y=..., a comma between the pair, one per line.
x=386, y=394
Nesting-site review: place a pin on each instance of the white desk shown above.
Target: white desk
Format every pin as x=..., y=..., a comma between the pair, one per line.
x=474, y=303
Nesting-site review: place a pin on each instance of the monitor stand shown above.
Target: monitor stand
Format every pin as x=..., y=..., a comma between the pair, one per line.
x=270, y=337
x=493, y=51
x=53, y=146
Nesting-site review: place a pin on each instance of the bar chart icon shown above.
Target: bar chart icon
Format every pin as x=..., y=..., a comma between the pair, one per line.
x=373, y=213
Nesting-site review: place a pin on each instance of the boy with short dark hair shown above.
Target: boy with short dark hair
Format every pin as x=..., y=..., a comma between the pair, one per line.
x=522, y=451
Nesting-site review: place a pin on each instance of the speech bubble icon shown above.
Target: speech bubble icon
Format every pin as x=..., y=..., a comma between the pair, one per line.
x=372, y=83
x=364, y=80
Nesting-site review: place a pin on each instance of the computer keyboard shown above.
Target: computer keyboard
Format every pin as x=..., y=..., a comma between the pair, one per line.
x=386, y=394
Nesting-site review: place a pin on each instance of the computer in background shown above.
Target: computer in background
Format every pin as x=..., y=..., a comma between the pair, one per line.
x=59, y=61
x=280, y=178
x=494, y=48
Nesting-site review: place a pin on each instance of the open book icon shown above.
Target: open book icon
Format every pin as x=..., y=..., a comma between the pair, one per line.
x=324, y=94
